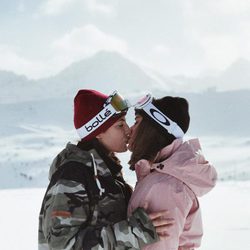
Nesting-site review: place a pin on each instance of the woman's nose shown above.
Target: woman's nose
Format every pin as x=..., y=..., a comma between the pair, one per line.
x=127, y=131
x=132, y=128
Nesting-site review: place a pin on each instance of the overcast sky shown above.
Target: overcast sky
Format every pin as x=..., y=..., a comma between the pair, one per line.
x=40, y=37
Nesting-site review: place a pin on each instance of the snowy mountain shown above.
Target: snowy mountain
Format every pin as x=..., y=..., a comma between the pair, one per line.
x=14, y=87
x=235, y=77
x=105, y=71
x=220, y=113
x=108, y=71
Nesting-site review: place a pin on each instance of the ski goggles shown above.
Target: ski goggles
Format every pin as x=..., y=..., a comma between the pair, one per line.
x=115, y=104
x=118, y=102
x=172, y=127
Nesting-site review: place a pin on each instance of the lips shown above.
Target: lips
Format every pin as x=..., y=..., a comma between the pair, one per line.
x=130, y=144
x=128, y=141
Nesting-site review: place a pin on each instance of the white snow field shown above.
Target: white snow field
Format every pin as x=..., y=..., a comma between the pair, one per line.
x=226, y=217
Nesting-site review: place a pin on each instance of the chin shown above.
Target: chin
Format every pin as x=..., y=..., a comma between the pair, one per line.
x=129, y=148
x=124, y=149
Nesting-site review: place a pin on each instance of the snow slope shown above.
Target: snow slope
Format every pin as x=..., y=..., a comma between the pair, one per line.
x=225, y=211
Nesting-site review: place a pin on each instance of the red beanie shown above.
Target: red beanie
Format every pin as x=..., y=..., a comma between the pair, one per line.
x=87, y=104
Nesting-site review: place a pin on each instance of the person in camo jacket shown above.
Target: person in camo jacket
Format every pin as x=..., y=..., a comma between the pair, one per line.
x=85, y=205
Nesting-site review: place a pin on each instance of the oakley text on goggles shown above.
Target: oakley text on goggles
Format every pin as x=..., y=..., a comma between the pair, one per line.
x=172, y=127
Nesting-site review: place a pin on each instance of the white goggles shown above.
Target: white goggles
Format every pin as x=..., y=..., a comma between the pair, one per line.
x=172, y=127
x=115, y=104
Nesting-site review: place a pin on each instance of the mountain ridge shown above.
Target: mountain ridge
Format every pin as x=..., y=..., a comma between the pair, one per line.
x=107, y=71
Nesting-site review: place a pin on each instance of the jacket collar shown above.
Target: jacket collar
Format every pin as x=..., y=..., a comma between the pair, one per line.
x=184, y=161
x=102, y=156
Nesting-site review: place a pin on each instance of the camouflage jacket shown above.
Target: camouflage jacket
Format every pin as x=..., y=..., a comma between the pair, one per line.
x=85, y=206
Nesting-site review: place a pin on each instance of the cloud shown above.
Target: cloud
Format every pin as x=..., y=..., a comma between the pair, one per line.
x=217, y=7
x=219, y=29
x=57, y=7
x=220, y=50
x=85, y=41
x=95, y=6
x=10, y=60
x=229, y=7
x=76, y=45
x=21, y=7
x=161, y=50
x=158, y=57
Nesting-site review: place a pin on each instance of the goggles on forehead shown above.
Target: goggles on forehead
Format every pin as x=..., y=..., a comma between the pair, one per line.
x=172, y=127
x=115, y=104
x=118, y=102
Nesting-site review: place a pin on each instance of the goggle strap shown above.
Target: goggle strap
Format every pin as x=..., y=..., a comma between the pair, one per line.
x=171, y=126
x=96, y=121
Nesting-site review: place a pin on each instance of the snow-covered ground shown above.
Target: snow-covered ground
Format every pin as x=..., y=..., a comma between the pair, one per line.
x=226, y=216
x=26, y=155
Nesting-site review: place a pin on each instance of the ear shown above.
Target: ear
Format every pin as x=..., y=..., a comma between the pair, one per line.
x=99, y=137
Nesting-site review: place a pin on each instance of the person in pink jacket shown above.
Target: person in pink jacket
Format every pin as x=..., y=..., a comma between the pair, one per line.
x=171, y=173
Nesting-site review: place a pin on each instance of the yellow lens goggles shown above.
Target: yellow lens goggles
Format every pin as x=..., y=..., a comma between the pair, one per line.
x=118, y=102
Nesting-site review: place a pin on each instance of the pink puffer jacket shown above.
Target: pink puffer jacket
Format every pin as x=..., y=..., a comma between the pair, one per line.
x=179, y=174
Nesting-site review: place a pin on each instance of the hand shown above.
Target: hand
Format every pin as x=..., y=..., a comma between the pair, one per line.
x=161, y=223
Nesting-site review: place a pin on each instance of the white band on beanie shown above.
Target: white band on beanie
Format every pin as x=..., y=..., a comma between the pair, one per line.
x=96, y=121
x=171, y=126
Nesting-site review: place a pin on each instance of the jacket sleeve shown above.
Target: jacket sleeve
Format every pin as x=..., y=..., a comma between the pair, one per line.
x=66, y=209
x=133, y=233
x=66, y=225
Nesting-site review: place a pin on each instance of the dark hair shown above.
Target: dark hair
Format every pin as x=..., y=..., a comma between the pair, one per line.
x=150, y=136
